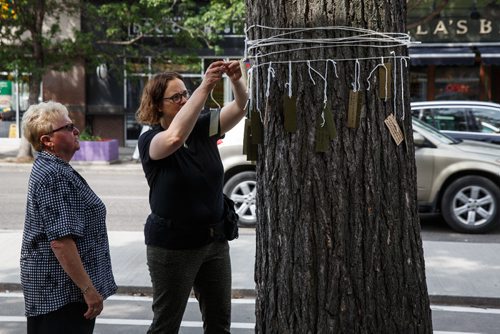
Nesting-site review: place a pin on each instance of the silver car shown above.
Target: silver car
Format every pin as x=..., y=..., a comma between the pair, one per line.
x=474, y=120
x=459, y=179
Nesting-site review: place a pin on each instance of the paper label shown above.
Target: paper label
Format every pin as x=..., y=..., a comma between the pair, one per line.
x=394, y=129
x=214, y=122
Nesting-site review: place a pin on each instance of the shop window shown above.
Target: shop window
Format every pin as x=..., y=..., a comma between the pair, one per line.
x=457, y=83
x=418, y=83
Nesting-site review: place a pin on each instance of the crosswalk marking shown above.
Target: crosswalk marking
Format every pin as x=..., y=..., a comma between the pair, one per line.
x=234, y=325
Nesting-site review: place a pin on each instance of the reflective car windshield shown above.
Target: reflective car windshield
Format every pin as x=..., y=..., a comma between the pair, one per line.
x=434, y=132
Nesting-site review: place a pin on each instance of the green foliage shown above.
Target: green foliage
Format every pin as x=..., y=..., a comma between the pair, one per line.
x=86, y=135
x=110, y=31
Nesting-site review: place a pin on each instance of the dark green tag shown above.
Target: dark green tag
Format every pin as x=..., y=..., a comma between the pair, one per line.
x=290, y=113
x=249, y=149
x=330, y=123
x=322, y=136
x=257, y=128
x=246, y=136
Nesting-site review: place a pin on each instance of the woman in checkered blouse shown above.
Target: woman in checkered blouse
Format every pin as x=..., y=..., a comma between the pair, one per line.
x=65, y=263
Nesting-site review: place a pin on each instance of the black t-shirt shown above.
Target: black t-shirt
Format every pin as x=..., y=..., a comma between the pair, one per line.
x=185, y=188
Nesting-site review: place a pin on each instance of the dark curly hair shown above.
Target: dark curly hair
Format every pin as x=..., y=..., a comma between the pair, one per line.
x=152, y=98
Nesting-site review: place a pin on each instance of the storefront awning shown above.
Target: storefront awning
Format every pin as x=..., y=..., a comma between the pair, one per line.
x=422, y=56
x=490, y=55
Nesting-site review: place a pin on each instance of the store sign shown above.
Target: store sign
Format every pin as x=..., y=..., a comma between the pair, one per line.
x=172, y=26
x=457, y=30
x=5, y=93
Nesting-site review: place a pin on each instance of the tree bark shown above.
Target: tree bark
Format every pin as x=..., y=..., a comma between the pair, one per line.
x=338, y=235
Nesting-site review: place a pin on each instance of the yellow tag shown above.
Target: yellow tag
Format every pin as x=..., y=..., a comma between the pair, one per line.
x=385, y=81
x=354, y=111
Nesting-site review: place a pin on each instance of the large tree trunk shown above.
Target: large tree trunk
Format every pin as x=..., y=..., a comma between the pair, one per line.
x=338, y=235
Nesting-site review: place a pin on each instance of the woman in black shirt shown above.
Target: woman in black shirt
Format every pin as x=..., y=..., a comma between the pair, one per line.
x=183, y=168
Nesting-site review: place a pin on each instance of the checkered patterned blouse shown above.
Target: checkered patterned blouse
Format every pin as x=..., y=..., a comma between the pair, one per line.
x=61, y=203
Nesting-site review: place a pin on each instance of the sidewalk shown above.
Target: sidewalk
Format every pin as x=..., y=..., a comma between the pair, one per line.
x=8, y=153
x=457, y=273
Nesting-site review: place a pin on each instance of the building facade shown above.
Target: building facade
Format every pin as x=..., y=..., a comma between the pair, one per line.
x=457, y=57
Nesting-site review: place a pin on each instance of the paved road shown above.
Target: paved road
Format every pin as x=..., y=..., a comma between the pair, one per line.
x=132, y=314
x=125, y=193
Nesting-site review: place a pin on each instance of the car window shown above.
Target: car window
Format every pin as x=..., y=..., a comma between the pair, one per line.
x=443, y=118
x=424, y=115
x=450, y=119
x=428, y=130
x=486, y=120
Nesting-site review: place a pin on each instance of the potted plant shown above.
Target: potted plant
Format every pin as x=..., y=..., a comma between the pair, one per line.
x=97, y=149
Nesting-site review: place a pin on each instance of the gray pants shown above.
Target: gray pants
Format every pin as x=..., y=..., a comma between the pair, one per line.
x=174, y=272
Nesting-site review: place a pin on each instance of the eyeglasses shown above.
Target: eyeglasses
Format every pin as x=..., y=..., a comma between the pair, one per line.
x=177, y=98
x=68, y=127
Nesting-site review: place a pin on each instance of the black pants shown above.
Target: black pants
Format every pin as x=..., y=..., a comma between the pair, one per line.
x=66, y=320
x=174, y=272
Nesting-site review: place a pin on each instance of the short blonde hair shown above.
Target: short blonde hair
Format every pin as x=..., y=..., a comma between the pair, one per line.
x=38, y=119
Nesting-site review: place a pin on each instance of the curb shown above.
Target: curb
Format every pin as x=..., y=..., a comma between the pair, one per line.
x=135, y=290
x=479, y=302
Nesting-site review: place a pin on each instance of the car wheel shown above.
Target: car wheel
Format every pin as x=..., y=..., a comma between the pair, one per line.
x=471, y=204
x=241, y=188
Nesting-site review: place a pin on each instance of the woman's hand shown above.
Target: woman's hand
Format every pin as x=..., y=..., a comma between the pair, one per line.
x=213, y=74
x=94, y=302
x=233, y=70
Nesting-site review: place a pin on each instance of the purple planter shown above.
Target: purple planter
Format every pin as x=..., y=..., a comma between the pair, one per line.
x=104, y=150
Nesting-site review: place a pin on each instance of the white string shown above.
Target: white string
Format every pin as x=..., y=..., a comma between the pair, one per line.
x=323, y=60
x=402, y=88
x=360, y=38
x=334, y=66
x=245, y=54
x=395, y=89
x=325, y=96
x=369, y=76
x=309, y=71
x=257, y=107
x=355, y=85
x=270, y=73
x=250, y=86
x=289, y=83
x=214, y=100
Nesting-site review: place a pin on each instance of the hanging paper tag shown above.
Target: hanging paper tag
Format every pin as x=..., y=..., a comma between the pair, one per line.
x=394, y=129
x=290, y=113
x=322, y=136
x=385, y=81
x=214, y=122
x=257, y=128
x=330, y=123
x=248, y=148
x=354, y=111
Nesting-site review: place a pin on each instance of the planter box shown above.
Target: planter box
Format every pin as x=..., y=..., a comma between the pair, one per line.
x=103, y=150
